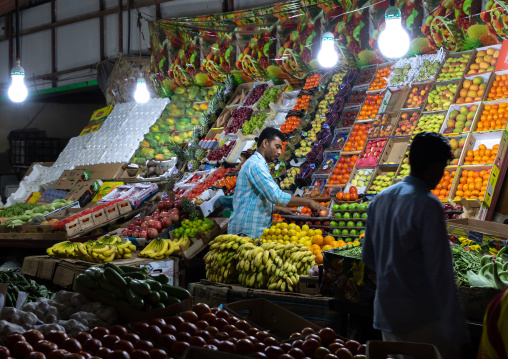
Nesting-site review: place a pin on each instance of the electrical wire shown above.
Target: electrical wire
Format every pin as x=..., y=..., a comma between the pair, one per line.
x=37, y=114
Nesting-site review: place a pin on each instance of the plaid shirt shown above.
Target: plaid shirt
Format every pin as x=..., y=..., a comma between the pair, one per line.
x=255, y=195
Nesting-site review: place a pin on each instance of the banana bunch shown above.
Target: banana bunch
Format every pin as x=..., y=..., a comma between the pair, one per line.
x=294, y=260
x=92, y=251
x=123, y=249
x=272, y=265
x=160, y=248
x=182, y=244
x=220, y=261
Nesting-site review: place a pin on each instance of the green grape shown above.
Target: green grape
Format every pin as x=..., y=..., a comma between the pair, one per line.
x=270, y=95
x=256, y=121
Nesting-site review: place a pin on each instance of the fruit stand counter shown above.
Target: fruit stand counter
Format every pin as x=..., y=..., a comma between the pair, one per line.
x=313, y=308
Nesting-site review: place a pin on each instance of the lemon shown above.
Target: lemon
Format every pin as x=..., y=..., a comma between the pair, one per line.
x=303, y=233
x=308, y=243
x=317, y=232
x=280, y=241
x=264, y=240
x=271, y=231
x=311, y=232
x=292, y=232
x=278, y=232
x=286, y=242
x=266, y=231
x=280, y=237
x=294, y=239
x=286, y=237
x=285, y=231
x=305, y=228
x=284, y=225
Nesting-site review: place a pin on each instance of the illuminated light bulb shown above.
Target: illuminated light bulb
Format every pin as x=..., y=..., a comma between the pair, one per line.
x=393, y=41
x=141, y=95
x=18, y=91
x=328, y=56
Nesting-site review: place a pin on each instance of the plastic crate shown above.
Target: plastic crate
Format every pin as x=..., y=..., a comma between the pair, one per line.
x=27, y=151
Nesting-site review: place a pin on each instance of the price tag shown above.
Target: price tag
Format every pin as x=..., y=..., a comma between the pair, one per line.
x=312, y=165
x=326, y=126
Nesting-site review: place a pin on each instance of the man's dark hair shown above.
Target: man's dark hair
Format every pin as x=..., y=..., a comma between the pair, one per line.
x=427, y=149
x=269, y=134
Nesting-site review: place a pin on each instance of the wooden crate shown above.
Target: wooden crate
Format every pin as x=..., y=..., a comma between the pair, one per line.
x=397, y=99
x=394, y=151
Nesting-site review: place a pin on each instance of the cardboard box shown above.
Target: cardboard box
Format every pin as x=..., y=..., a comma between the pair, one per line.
x=491, y=85
x=475, y=202
x=262, y=314
x=394, y=151
x=124, y=207
x=486, y=80
x=496, y=47
x=129, y=314
x=480, y=113
x=377, y=349
x=489, y=139
x=477, y=230
x=309, y=285
x=489, y=193
x=106, y=188
x=396, y=100
x=112, y=212
x=65, y=185
x=245, y=87
x=457, y=55
x=63, y=271
x=84, y=191
x=137, y=194
x=50, y=195
x=99, y=217
x=476, y=300
x=444, y=126
x=212, y=202
x=76, y=175
x=105, y=171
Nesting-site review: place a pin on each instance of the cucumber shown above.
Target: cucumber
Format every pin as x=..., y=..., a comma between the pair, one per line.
x=114, y=267
x=154, y=285
x=108, y=286
x=163, y=295
x=128, y=269
x=154, y=297
x=115, y=278
x=134, y=300
x=86, y=281
x=106, y=293
x=140, y=288
x=95, y=273
x=177, y=292
x=161, y=278
x=157, y=305
x=170, y=301
x=134, y=275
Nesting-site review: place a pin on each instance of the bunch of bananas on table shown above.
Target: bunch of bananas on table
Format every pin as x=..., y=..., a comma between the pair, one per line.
x=220, y=261
x=162, y=247
x=273, y=266
x=104, y=250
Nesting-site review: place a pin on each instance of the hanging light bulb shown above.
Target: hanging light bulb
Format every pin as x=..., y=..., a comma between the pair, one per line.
x=141, y=95
x=393, y=41
x=18, y=91
x=328, y=56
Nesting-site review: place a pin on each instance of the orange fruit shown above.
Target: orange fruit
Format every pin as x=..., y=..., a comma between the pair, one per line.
x=317, y=239
x=328, y=240
x=319, y=258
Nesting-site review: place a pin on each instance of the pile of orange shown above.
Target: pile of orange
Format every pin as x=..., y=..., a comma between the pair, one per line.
x=472, y=184
x=276, y=217
x=306, y=211
x=320, y=243
x=442, y=190
x=357, y=137
x=290, y=124
x=352, y=195
x=302, y=103
x=499, y=88
x=493, y=117
x=482, y=155
x=342, y=170
x=228, y=182
x=380, y=78
x=370, y=106
x=312, y=81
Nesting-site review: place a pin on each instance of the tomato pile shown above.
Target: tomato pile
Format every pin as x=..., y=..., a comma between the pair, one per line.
x=312, y=81
x=60, y=225
x=352, y=195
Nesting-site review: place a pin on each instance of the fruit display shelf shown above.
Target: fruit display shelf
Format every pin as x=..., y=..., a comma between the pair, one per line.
x=442, y=95
x=485, y=60
x=473, y=89
x=455, y=65
x=460, y=119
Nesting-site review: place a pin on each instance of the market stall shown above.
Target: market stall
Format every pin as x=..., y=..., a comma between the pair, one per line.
x=135, y=210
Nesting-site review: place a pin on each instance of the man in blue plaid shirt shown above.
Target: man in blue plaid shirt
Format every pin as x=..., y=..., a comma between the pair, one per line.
x=256, y=192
